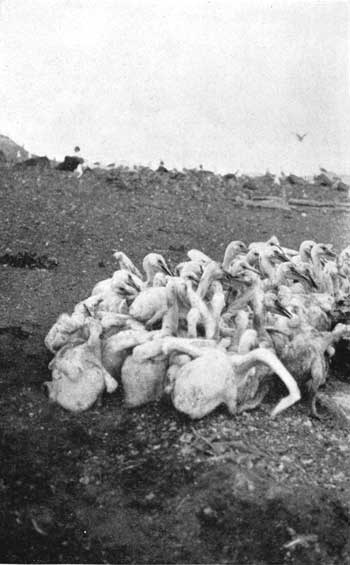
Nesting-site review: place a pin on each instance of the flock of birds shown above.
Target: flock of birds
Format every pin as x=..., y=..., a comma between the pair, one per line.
x=205, y=333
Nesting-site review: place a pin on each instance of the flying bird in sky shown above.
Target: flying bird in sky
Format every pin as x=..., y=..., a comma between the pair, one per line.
x=300, y=137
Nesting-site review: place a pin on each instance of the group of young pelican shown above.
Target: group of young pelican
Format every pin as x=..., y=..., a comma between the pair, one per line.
x=207, y=332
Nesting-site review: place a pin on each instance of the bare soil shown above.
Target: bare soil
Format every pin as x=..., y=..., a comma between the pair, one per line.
x=149, y=486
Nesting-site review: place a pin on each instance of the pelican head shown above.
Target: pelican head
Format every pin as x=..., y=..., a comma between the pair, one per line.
x=323, y=250
x=305, y=248
x=273, y=254
x=242, y=272
x=155, y=262
x=125, y=284
x=233, y=249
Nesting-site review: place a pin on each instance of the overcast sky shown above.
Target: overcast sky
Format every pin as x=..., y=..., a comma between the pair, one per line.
x=223, y=82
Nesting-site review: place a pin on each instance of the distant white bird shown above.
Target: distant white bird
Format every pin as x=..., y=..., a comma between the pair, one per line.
x=300, y=136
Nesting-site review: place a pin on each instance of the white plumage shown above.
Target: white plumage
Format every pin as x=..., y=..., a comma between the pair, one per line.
x=214, y=334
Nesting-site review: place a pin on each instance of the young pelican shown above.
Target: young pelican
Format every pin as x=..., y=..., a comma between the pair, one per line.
x=304, y=254
x=319, y=252
x=117, y=347
x=143, y=374
x=274, y=243
x=305, y=356
x=233, y=249
x=119, y=279
x=214, y=377
x=78, y=376
x=67, y=329
x=126, y=263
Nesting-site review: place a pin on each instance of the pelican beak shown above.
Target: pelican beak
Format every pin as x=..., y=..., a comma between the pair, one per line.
x=193, y=278
x=227, y=277
x=165, y=269
x=281, y=256
x=303, y=277
x=239, y=277
x=311, y=281
x=133, y=284
x=280, y=309
x=253, y=270
x=87, y=311
x=329, y=253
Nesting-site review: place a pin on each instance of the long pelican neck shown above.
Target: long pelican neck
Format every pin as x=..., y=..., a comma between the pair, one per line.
x=195, y=299
x=170, y=321
x=229, y=255
x=94, y=341
x=244, y=299
x=257, y=304
x=337, y=287
x=304, y=255
x=217, y=304
x=317, y=266
x=242, y=363
x=280, y=275
x=217, y=301
x=130, y=266
x=204, y=285
x=227, y=259
x=267, y=268
x=149, y=275
x=181, y=345
x=328, y=283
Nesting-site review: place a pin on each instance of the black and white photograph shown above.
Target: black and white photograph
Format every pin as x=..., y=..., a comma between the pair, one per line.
x=175, y=282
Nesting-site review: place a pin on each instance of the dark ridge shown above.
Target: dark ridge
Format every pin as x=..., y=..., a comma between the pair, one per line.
x=15, y=331
x=26, y=260
x=41, y=162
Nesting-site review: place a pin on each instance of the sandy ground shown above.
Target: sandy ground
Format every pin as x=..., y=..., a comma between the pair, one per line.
x=148, y=485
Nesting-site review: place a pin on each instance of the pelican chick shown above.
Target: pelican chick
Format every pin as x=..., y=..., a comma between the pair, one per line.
x=67, y=329
x=304, y=253
x=143, y=374
x=214, y=377
x=154, y=263
x=117, y=347
x=118, y=279
x=305, y=356
x=126, y=263
x=319, y=252
x=151, y=304
x=233, y=250
x=78, y=376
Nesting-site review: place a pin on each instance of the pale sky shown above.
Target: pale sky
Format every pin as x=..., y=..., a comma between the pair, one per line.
x=220, y=82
